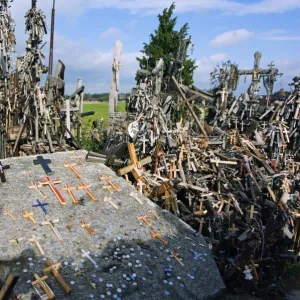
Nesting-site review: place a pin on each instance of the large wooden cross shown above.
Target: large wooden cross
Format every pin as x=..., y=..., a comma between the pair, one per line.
x=41, y=281
x=55, y=191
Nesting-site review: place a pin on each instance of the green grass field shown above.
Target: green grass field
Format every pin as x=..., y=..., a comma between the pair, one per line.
x=101, y=111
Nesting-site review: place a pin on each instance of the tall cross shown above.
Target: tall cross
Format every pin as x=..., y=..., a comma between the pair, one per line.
x=52, y=226
x=56, y=192
x=35, y=240
x=41, y=281
x=70, y=190
x=2, y=174
x=41, y=205
x=44, y=163
x=86, y=187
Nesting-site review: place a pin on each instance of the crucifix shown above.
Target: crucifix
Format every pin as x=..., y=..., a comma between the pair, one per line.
x=155, y=235
x=136, y=198
x=144, y=219
x=55, y=191
x=2, y=174
x=41, y=205
x=86, y=226
x=8, y=213
x=41, y=281
x=44, y=163
x=36, y=186
x=52, y=226
x=110, y=202
x=88, y=256
x=35, y=240
x=29, y=216
x=175, y=255
x=70, y=190
x=73, y=169
x=54, y=269
x=86, y=187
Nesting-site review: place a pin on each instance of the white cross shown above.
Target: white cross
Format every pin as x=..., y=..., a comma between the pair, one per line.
x=136, y=198
x=35, y=240
x=87, y=255
x=54, y=229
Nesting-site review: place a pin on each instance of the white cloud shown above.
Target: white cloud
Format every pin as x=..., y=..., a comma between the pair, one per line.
x=111, y=32
x=231, y=37
x=279, y=35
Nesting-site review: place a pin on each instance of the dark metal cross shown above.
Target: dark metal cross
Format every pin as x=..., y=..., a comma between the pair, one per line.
x=44, y=163
x=2, y=174
x=192, y=50
x=41, y=205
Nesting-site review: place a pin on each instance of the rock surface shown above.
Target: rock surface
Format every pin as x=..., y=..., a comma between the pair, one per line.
x=130, y=264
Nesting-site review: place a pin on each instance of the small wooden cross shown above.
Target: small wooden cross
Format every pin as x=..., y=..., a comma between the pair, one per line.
x=86, y=187
x=52, y=226
x=36, y=186
x=175, y=255
x=70, y=190
x=35, y=240
x=110, y=202
x=8, y=213
x=254, y=266
x=78, y=158
x=136, y=198
x=73, y=169
x=41, y=281
x=252, y=211
x=140, y=185
x=55, y=191
x=106, y=179
x=153, y=212
x=201, y=221
x=233, y=229
x=29, y=216
x=144, y=219
x=155, y=235
x=54, y=269
x=86, y=226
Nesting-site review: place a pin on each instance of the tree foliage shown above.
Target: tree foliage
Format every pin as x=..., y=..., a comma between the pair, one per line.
x=164, y=44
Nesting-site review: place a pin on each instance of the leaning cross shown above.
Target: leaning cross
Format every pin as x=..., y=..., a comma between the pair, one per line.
x=35, y=240
x=86, y=187
x=36, y=186
x=54, y=269
x=41, y=205
x=73, y=169
x=2, y=174
x=8, y=213
x=52, y=226
x=42, y=283
x=69, y=189
x=88, y=256
x=86, y=226
x=44, y=163
x=56, y=192
x=29, y=216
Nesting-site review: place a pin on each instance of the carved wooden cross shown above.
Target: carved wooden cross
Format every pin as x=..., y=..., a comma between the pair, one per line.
x=70, y=190
x=54, y=269
x=144, y=219
x=155, y=235
x=29, y=216
x=106, y=179
x=2, y=174
x=136, y=167
x=36, y=186
x=35, y=240
x=55, y=191
x=86, y=187
x=52, y=226
x=86, y=226
x=41, y=281
x=73, y=169
x=78, y=158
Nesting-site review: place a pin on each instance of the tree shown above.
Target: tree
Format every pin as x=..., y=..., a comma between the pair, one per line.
x=164, y=43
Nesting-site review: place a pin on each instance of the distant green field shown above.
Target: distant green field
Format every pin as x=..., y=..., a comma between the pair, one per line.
x=101, y=111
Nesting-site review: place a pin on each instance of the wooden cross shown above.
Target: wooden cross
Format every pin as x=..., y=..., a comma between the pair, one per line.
x=35, y=240
x=78, y=158
x=136, y=167
x=153, y=212
x=8, y=213
x=201, y=221
x=2, y=174
x=52, y=226
x=55, y=191
x=36, y=186
x=29, y=216
x=155, y=235
x=70, y=190
x=144, y=219
x=54, y=269
x=175, y=255
x=44, y=163
x=252, y=211
x=86, y=187
x=106, y=179
x=73, y=169
x=136, y=198
x=110, y=202
x=41, y=281
x=86, y=226
x=233, y=229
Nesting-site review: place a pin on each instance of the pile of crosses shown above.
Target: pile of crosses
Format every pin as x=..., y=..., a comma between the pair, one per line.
x=231, y=172
x=34, y=119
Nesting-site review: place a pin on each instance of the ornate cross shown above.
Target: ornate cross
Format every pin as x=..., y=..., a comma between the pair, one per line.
x=55, y=191
x=86, y=226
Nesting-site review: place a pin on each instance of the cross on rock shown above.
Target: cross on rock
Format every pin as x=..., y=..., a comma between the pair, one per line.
x=55, y=191
x=70, y=190
x=85, y=187
x=44, y=163
x=41, y=205
x=52, y=226
x=35, y=240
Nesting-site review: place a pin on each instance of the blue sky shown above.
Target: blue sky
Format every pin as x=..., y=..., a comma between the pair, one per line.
x=221, y=30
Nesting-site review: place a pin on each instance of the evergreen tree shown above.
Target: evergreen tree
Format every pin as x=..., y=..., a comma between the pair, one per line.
x=164, y=44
